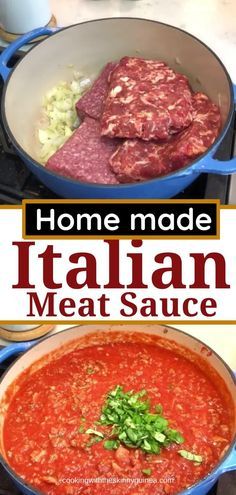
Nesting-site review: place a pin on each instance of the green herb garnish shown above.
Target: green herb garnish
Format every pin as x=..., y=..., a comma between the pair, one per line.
x=159, y=409
x=175, y=436
x=93, y=441
x=90, y=431
x=97, y=436
x=133, y=425
x=190, y=456
x=147, y=471
x=111, y=444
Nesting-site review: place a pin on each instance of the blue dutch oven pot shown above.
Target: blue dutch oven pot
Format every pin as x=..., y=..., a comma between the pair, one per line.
x=89, y=46
x=39, y=349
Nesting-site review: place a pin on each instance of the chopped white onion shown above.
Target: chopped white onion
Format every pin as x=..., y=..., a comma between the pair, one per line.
x=59, y=110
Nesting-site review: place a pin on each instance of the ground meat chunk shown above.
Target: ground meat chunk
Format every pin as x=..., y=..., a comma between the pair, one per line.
x=147, y=100
x=85, y=156
x=91, y=103
x=136, y=160
x=140, y=69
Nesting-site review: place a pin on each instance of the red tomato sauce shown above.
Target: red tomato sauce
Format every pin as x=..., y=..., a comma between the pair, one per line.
x=44, y=428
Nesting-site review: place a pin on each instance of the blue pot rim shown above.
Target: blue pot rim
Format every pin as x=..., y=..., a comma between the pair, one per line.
x=212, y=476
x=111, y=187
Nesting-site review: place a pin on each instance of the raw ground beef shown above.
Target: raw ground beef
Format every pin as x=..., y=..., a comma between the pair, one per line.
x=147, y=100
x=139, y=69
x=91, y=104
x=142, y=99
x=85, y=156
x=136, y=160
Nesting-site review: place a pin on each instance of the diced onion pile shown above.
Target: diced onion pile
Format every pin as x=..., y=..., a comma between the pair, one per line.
x=59, y=110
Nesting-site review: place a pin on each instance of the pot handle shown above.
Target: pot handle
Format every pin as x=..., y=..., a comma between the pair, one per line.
x=214, y=166
x=16, y=45
x=230, y=462
x=11, y=350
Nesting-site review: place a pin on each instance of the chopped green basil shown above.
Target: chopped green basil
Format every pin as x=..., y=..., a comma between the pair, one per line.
x=111, y=444
x=90, y=431
x=147, y=471
x=175, y=436
x=159, y=409
x=159, y=436
x=134, y=425
x=93, y=441
x=190, y=456
x=131, y=435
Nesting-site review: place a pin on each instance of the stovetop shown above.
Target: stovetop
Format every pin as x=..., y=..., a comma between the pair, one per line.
x=17, y=183
x=225, y=486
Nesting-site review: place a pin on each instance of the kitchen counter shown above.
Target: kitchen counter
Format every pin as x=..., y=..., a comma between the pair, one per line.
x=213, y=21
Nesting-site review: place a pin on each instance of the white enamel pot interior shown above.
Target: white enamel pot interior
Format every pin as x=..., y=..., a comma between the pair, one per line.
x=87, y=47
x=74, y=336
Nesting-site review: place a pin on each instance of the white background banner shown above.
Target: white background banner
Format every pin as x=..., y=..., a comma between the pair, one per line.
x=96, y=264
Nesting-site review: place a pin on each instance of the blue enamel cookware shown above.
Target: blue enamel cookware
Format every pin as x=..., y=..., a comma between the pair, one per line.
x=38, y=349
